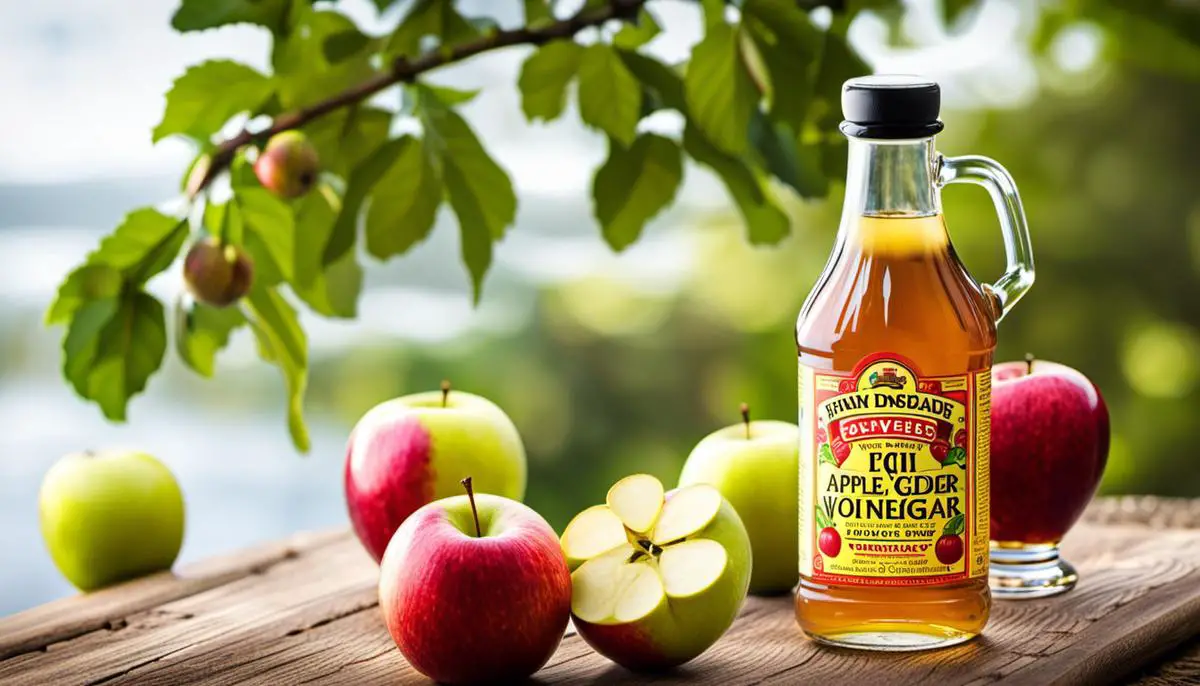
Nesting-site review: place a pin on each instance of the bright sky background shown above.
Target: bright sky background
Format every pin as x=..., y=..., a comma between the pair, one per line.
x=82, y=84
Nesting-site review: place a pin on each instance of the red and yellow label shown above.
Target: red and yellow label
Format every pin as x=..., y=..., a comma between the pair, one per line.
x=893, y=474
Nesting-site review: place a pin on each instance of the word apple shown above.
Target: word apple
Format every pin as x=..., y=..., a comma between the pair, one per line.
x=288, y=166
x=217, y=275
x=662, y=575
x=1050, y=437
x=755, y=466
x=412, y=450
x=110, y=516
x=474, y=589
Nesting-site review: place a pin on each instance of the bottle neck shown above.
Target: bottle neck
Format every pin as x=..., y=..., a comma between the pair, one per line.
x=891, y=178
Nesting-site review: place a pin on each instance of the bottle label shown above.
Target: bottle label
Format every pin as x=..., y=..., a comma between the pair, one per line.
x=893, y=474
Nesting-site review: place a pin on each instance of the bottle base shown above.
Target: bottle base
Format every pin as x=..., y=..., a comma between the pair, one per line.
x=895, y=637
x=1029, y=571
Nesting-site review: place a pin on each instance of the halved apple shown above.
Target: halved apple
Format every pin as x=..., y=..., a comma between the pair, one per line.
x=658, y=578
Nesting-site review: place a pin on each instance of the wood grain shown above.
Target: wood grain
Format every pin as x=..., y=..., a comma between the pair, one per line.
x=305, y=611
x=64, y=619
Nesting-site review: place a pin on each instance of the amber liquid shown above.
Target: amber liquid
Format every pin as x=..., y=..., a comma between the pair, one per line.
x=894, y=284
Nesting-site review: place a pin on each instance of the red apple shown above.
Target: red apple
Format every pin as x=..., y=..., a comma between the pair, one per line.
x=475, y=589
x=1050, y=436
x=830, y=541
x=413, y=450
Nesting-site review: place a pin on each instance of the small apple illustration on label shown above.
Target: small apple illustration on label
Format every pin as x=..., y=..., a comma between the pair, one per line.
x=847, y=386
x=110, y=516
x=410, y=451
x=949, y=548
x=662, y=575
x=754, y=465
x=960, y=438
x=829, y=541
x=939, y=449
x=474, y=590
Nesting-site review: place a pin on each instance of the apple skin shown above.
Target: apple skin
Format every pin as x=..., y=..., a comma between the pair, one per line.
x=759, y=476
x=111, y=516
x=1050, y=438
x=217, y=275
x=680, y=629
x=468, y=610
x=288, y=165
x=407, y=452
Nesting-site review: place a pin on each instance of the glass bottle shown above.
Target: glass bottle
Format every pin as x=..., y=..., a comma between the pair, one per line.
x=895, y=348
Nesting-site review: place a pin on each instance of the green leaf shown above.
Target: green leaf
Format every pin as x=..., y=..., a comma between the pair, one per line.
x=765, y=222
x=345, y=44
x=825, y=454
x=362, y=180
x=405, y=200
x=270, y=236
x=304, y=74
x=436, y=18
x=282, y=342
x=637, y=34
x=485, y=192
x=331, y=290
x=143, y=245
x=112, y=347
x=85, y=283
x=956, y=525
x=198, y=15
x=956, y=456
x=537, y=13
x=837, y=63
x=662, y=82
x=720, y=93
x=610, y=98
x=823, y=520
x=954, y=10
x=207, y=95
x=634, y=185
x=201, y=331
x=545, y=76
x=789, y=45
x=794, y=163
x=345, y=138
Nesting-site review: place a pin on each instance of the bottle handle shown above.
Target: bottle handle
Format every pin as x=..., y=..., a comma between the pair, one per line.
x=988, y=173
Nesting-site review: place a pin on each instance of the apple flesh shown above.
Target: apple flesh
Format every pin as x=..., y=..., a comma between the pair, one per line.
x=755, y=465
x=111, y=516
x=410, y=451
x=662, y=578
x=468, y=606
x=1050, y=436
x=288, y=165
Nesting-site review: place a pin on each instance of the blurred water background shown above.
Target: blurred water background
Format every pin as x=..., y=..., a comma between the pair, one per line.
x=608, y=364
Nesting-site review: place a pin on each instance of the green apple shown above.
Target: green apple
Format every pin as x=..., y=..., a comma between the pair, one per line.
x=110, y=516
x=410, y=451
x=755, y=466
x=660, y=576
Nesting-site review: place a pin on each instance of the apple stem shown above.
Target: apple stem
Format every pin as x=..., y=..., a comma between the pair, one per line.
x=471, y=496
x=746, y=418
x=445, y=397
x=1029, y=363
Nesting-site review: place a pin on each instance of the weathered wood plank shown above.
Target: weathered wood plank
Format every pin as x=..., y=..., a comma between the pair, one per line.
x=305, y=590
x=64, y=619
x=312, y=617
x=1181, y=667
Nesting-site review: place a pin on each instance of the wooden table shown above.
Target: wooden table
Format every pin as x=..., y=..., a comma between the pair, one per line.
x=305, y=611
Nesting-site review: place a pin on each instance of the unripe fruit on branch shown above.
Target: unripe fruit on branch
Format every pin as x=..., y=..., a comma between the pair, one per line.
x=288, y=166
x=217, y=275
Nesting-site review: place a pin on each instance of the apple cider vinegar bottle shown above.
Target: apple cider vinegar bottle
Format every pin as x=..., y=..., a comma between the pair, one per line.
x=895, y=349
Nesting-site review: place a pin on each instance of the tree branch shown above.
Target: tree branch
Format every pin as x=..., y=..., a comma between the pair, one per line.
x=404, y=70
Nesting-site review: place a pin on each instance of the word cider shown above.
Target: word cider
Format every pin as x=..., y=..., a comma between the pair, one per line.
x=895, y=347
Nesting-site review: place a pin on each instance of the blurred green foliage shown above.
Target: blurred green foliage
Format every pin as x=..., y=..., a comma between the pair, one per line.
x=610, y=379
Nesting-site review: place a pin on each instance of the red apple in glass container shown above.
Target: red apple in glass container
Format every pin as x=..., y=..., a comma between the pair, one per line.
x=1050, y=436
